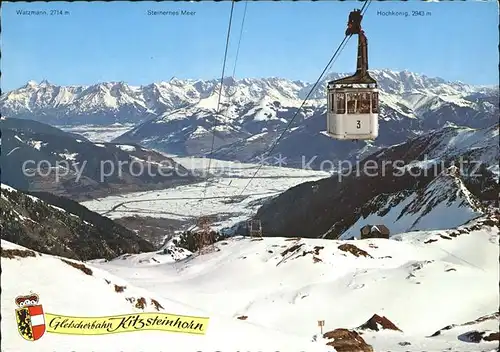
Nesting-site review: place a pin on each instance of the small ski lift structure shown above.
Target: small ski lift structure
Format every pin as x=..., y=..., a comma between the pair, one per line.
x=254, y=227
x=353, y=101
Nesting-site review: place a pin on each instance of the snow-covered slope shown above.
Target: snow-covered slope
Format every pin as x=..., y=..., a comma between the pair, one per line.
x=51, y=99
x=249, y=122
x=474, y=151
x=60, y=226
x=110, y=101
x=444, y=203
x=67, y=290
x=269, y=294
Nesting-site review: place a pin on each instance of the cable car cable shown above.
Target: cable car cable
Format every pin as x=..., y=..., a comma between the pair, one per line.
x=339, y=49
x=328, y=67
x=296, y=113
x=299, y=109
x=239, y=39
x=342, y=48
x=221, y=84
x=238, y=48
x=332, y=60
x=220, y=93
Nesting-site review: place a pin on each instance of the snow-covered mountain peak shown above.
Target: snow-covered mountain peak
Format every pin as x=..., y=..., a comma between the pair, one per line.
x=30, y=84
x=449, y=186
x=44, y=83
x=443, y=203
x=452, y=171
x=411, y=82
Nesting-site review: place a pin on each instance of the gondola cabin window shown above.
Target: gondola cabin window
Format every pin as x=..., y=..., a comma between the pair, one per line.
x=358, y=103
x=340, y=103
x=351, y=102
x=375, y=102
x=363, y=103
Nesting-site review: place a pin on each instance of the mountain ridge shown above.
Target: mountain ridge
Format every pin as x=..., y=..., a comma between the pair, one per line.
x=159, y=97
x=178, y=117
x=444, y=203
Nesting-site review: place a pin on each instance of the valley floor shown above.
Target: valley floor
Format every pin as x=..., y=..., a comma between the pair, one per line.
x=221, y=198
x=99, y=133
x=278, y=288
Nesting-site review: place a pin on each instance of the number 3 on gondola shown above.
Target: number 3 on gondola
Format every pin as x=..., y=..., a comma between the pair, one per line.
x=353, y=101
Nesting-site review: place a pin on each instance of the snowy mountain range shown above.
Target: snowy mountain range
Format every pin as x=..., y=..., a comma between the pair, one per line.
x=178, y=116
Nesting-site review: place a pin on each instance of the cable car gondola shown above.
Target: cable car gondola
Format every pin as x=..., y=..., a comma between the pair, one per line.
x=353, y=101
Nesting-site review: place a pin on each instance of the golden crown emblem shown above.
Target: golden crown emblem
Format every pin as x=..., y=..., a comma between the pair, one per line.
x=28, y=300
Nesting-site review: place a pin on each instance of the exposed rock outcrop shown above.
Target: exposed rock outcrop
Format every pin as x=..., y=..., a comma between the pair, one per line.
x=344, y=340
x=376, y=323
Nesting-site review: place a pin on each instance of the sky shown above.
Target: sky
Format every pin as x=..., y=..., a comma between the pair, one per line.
x=93, y=42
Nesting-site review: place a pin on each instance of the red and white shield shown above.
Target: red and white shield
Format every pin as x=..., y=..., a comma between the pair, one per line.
x=37, y=321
